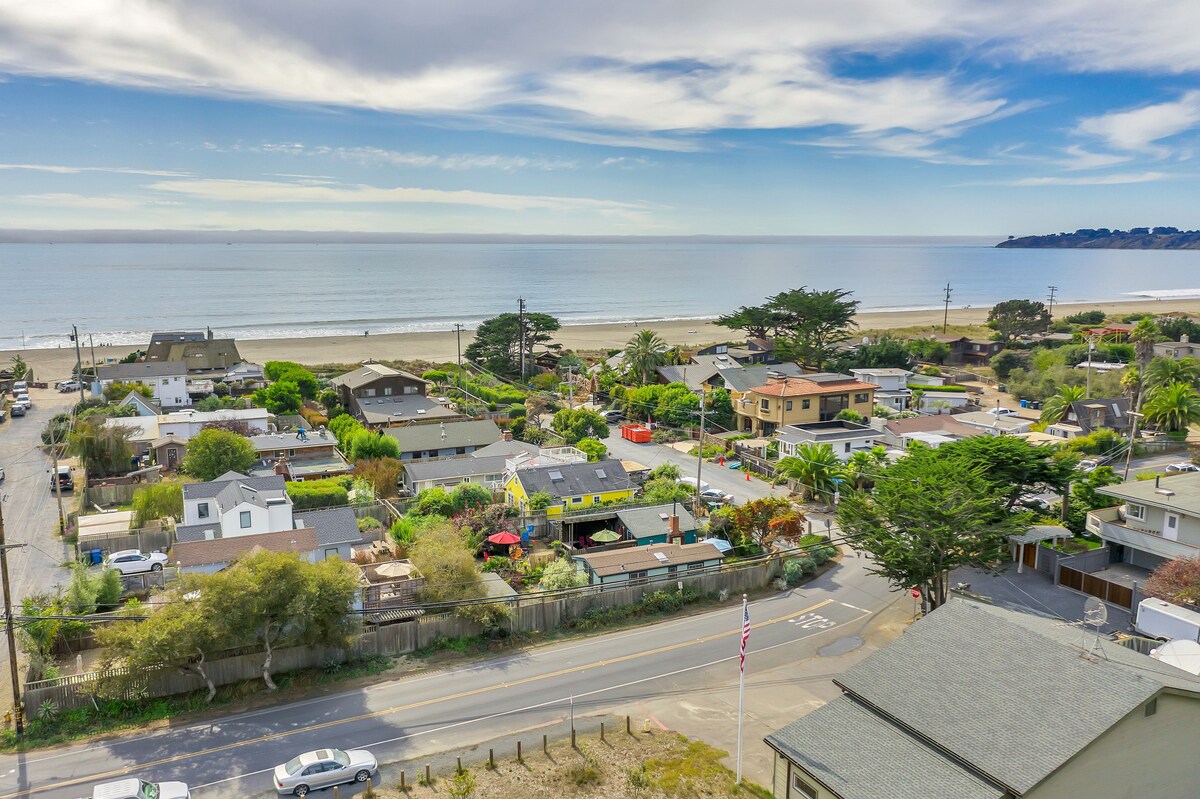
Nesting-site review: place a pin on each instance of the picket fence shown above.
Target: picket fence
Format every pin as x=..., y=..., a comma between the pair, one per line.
x=531, y=613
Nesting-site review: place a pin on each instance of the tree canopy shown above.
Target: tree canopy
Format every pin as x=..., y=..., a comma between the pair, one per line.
x=579, y=423
x=644, y=353
x=497, y=344
x=103, y=449
x=808, y=324
x=1176, y=581
x=1013, y=318
x=211, y=453
x=931, y=514
x=280, y=397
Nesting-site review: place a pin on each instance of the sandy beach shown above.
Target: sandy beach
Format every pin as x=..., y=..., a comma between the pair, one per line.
x=57, y=364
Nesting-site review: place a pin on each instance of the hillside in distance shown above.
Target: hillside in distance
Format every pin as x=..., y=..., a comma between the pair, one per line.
x=1137, y=238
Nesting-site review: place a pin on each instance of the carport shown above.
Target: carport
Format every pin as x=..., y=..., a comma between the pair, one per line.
x=1026, y=555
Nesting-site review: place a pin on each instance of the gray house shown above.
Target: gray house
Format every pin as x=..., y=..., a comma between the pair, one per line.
x=951, y=710
x=487, y=471
x=642, y=563
x=443, y=440
x=1157, y=521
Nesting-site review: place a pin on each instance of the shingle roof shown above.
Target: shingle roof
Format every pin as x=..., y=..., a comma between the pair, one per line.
x=985, y=419
x=931, y=424
x=422, y=437
x=747, y=377
x=134, y=398
x=226, y=550
x=126, y=372
x=824, y=431
x=693, y=376
x=1184, y=497
x=269, y=442
x=645, y=558
x=199, y=356
x=575, y=479
x=800, y=386
x=506, y=448
x=332, y=526
x=649, y=521
x=964, y=678
x=858, y=755
x=369, y=373
x=404, y=408
x=229, y=482
x=454, y=468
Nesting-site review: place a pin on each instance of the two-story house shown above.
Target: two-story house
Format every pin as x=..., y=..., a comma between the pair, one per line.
x=800, y=400
x=893, y=392
x=204, y=355
x=166, y=379
x=299, y=456
x=844, y=438
x=379, y=396
x=1177, y=350
x=237, y=506
x=1158, y=520
x=950, y=710
x=1110, y=413
x=571, y=486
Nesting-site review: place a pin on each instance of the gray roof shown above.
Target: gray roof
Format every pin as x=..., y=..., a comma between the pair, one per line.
x=134, y=398
x=1041, y=532
x=693, y=376
x=883, y=371
x=837, y=430
x=369, y=373
x=452, y=468
x=575, y=479
x=265, y=442
x=858, y=755
x=1184, y=496
x=127, y=372
x=508, y=449
x=185, y=533
x=1113, y=413
x=646, y=522
x=749, y=377
x=965, y=678
x=332, y=525
x=985, y=419
x=422, y=437
x=403, y=408
x=232, y=489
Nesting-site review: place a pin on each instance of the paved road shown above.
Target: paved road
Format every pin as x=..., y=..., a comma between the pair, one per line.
x=453, y=710
x=30, y=509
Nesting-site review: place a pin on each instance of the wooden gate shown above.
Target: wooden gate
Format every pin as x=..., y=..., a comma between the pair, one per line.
x=1095, y=586
x=1029, y=554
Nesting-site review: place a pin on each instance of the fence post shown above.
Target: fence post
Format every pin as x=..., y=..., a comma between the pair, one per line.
x=602, y=731
x=628, y=725
x=519, y=758
x=458, y=767
x=402, y=786
x=573, y=738
x=491, y=760
x=545, y=744
x=428, y=781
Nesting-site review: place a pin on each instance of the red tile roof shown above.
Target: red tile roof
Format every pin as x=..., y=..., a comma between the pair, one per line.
x=798, y=386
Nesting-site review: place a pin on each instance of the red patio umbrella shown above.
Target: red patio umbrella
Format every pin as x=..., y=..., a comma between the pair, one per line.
x=504, y=537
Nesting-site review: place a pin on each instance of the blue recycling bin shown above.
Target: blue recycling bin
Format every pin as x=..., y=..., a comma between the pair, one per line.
x=1024, y=403
x=96, y=557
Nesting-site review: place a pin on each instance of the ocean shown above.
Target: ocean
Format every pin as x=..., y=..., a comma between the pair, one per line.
x=119, y=293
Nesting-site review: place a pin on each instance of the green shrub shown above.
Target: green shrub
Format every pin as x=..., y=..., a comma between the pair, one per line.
x=327, y=493
x=796, y=569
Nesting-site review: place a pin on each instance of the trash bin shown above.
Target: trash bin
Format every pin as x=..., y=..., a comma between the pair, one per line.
x=1001, y=387
x=1024, y=403
x=96, y=557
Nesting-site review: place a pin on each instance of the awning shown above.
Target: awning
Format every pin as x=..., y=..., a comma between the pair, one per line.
x=1041, y=532
x=398, y=614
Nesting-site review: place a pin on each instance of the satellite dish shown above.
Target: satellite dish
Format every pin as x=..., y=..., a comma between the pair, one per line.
x=1095, y=613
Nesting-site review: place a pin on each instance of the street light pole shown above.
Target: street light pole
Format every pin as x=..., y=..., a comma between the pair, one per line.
x=8, y=627
x=78, y=362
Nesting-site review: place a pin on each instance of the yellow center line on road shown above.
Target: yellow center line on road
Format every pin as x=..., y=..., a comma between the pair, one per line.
x=401, y=708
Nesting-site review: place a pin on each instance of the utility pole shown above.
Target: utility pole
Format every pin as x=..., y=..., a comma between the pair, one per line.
x=62, y=518
x=570, y=390
x=8, y=626
x=521, y=326
x=92, y=345
x=458, y=336
x=1132, y=438
x=1053, y=290
x=700, y=455
x=946, y=312
x=1091, y=347
x=78, y=364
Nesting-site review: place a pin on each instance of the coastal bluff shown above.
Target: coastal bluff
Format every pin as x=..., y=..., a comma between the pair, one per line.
x=1138, y=238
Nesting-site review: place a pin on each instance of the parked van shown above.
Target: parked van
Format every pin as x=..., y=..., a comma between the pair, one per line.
x=690, y=482
x=64, y=481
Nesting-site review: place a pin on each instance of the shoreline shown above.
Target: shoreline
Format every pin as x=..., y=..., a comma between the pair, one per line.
x=441, y=347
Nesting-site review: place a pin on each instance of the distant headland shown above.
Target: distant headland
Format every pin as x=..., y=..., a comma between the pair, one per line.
x=1136, y=238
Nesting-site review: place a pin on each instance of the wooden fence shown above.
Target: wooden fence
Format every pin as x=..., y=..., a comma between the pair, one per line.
x=530, y=613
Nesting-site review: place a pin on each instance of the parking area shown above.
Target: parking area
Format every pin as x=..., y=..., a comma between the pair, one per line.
x=1036, y=592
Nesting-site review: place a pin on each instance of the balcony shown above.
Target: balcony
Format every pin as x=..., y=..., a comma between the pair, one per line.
x=1112, y=526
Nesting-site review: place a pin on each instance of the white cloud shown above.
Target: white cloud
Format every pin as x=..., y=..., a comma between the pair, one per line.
x=456, y=162
x=1114, y=179
x=1139, y=130
x=266, y=191
x=75, y=170
x=1081, y=158
x=67, y=200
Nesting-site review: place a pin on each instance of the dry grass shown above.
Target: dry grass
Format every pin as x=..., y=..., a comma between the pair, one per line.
x=661, y=765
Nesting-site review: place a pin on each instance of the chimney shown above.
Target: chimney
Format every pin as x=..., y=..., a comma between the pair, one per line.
x=282, y=468
x=1184, y=339
x=674, y=531
x=506, y=435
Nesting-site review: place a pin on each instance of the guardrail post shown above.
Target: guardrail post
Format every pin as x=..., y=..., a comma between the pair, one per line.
x=403, y=788
x=519, y=758
x=458, y=767
x=545, y=744
x=628, y=726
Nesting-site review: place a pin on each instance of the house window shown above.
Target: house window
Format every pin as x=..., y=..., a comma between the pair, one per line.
x=596, y=499
x=860, y=397
x=805, y=404
x=1135, y=511
x=764, y=405
x=787, y=406
x=369, y=392
x=245, y=519
x=202, y=510
x=576, y=500
x=802, y=789
x=166, y=382
x=410, y=389
x=387, y=391
x=847, y=447
x=332, y=552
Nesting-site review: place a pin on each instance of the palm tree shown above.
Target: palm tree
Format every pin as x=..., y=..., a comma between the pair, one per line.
x=1173, y=407
x=644, y=353
x=1131, y=384
x=1164, y=371
x=1055, y=408
x=815, y=467
x=860, y=469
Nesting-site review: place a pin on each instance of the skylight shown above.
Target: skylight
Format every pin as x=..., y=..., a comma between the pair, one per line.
x=555, y=475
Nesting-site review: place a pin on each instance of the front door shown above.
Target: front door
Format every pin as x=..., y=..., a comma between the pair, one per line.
x=1171, y=526
x=172, y=458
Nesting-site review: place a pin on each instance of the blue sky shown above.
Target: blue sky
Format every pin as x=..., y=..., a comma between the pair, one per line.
x=889, y=117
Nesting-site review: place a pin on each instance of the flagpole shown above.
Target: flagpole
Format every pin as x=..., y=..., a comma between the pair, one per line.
x=742, y=686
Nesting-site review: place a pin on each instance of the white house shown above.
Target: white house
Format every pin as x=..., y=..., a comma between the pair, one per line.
x=995, y=425
x=166, y=379
x=183, y=425
x=941, y=401
x=893, y=391
x=844, y=438
x=256, y=510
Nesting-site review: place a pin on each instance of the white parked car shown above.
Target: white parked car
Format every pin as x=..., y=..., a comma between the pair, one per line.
x=133, y=561
x=24, y=401
x=1183, y=466
x=322, y=769
x=1089, y=465
x=67, y=386
x=1001, y=411
x=140, y=789
x=715, y=495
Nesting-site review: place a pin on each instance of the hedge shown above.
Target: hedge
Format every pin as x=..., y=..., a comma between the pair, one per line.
x=935, y=389
x=318, y=493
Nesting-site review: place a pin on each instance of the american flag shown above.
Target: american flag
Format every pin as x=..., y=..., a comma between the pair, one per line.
x=745, y=635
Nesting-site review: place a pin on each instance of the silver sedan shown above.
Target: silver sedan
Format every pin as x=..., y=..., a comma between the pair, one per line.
x=325, y=767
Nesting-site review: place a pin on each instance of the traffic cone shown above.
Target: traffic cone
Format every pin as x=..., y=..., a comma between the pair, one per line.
x=747, y=477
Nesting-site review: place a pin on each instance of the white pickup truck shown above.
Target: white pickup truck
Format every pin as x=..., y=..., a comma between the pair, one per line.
x=134, y=788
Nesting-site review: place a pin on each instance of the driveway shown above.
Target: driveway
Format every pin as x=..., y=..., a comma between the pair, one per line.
x=1035, y=592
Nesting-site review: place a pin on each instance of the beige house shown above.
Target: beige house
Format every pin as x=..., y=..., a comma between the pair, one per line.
x=1158, y=521
x=801, y=400
x=979, y=702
